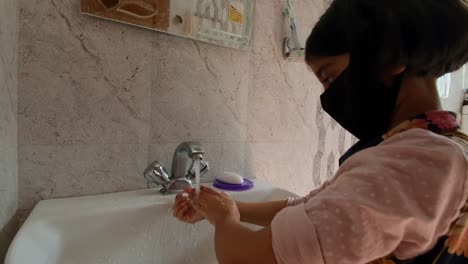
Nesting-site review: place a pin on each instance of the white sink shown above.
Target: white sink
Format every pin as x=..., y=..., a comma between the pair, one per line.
x=128, y=228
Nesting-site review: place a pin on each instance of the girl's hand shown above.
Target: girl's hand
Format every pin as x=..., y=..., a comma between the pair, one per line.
x=216, y=207
x=184, y=211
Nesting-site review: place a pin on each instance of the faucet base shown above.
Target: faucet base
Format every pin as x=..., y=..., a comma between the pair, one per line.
x=176, y=186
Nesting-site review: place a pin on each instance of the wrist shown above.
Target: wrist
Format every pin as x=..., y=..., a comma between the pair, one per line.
x=243, y=210
x=227, y=222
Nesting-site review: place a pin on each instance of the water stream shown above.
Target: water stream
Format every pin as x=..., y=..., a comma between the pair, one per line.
x=196, y=166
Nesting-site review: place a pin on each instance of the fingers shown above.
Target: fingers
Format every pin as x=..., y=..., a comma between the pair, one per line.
x=179, y=201
x=203, y=190
x=182, y=210
x=208, y=190
x=206, y=197
x=176, y=203
x=179, y=211
x=190, y=220
x=199, y=207
x=180, y=198
x=203, y=197
x=189, y=190
x=191, y=193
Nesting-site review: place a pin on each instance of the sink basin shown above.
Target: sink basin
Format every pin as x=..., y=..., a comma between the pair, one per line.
x=130, y=227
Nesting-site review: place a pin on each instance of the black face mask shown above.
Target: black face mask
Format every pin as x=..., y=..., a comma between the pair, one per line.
x=365, y=111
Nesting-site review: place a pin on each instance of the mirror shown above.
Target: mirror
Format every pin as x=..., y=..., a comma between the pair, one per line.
x=222, y=22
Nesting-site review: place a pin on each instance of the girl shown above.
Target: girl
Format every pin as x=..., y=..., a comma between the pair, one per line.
x=400, y=194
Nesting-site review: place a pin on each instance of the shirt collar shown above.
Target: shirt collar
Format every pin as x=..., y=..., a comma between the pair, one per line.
x=439, y=122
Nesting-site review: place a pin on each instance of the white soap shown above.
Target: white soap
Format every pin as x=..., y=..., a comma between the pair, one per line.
x=231, y=177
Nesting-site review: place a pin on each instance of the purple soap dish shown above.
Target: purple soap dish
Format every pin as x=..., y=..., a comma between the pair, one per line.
x=247, y=185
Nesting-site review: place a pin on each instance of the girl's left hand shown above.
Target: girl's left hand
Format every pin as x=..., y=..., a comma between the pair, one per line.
x=216, y=207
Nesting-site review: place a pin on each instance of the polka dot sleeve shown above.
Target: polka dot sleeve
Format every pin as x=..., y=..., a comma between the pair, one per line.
x=397, y=198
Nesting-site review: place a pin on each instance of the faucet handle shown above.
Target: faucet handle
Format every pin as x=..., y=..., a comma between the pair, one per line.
x=204, y=168
x=156, y=173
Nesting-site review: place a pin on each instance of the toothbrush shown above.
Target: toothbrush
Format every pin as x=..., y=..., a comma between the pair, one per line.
x=289, y=12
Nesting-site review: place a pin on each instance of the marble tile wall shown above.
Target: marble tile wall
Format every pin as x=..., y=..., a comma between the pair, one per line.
x=458, y=85
x=100, y=100
x=8, y=122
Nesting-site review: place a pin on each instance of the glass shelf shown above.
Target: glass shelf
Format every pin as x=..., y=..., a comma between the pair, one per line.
x=223, y=22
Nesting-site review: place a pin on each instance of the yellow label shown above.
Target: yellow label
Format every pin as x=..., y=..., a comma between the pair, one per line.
x=235, y=15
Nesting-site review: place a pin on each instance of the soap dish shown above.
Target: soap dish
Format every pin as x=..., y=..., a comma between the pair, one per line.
x=247, y=185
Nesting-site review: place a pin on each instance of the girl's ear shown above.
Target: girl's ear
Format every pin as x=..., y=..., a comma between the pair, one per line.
x=398, y=70
x=390, y=74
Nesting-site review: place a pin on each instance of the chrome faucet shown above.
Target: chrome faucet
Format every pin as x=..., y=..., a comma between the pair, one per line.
x=183, y=169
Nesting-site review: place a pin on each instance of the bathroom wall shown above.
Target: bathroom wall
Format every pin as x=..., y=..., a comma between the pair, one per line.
x=458, y=84
x=99, y=100
x=8, y=104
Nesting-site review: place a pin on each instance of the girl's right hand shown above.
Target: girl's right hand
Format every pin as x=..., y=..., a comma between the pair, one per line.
x=184, y=211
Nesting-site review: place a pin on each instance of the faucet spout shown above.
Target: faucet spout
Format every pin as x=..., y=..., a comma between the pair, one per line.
x=183, y=158
x=183, y=170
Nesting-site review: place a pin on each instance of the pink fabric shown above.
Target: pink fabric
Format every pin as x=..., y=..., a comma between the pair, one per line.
x=396, y=198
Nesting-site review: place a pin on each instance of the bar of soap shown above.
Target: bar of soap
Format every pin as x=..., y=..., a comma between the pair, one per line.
x=231, y=178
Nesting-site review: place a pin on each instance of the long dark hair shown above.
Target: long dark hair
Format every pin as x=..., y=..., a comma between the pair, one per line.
x=430, y=37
